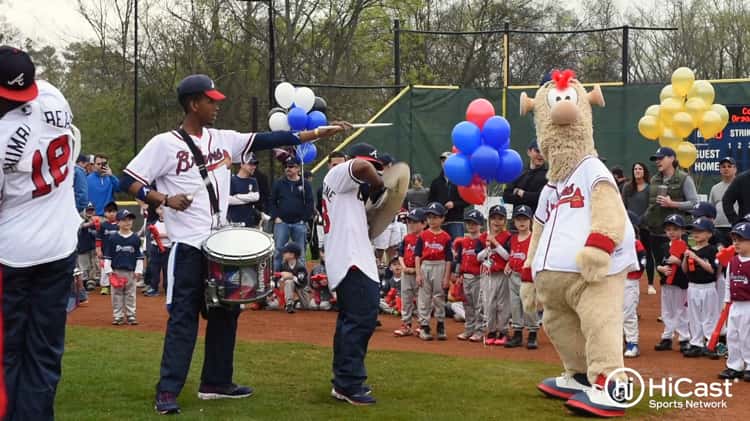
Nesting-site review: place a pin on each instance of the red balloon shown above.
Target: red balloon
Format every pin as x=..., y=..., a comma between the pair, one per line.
x=479, y=111
x=475, y=193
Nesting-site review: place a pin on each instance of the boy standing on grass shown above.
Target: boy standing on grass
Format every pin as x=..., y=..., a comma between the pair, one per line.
x=123, y=264
x=738, y=294
x=467, y=268
x=433, y=256
x=519, y=248
x=494, y=283
x=674, y=286
x=107, y=228
x=415, y=225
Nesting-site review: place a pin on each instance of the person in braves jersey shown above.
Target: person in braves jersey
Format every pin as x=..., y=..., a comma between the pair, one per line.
x=467, y=271
x=415, y=225
x=738, y=294
x=107, y=228
x=632, y=295
x=167, y=161
x=353, y=273
x=494, y=282
x=674, y=285
x=433, y=257
x=38, y=149
x=519, y=248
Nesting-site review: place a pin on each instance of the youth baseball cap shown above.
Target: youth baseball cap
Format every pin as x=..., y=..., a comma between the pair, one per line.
x=291, y=248
x=124, y=213
x=498, y=210
x=195, y=84
x=82, y=158
x=674, y=219
x=366, y=152
x=702, y=224
x=434, y=208
x=17, y=73
x=252, y=159
x=661, y=153
x=742, y=230
x=728, y=159
x=474, y=216
x=415, y=214
x=704, y=209
x=291, y=160
x=90, y=206
x=523, y=210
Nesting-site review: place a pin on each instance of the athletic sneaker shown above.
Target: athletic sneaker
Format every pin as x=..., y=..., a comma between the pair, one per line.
x=358, y=399
x=477, y=337
x=132, y=321
x=501, y=339
x=730, y=374
x=90, y=285
x=441, y=331
x=151, y=293
x=166, y=403
x=424, y=333
x=464, y=336
x=229, y=391
x=651, y=290
x=664, y=345
x=118, y=321
x=104, y=291
x=632, y=350
x=404, y=330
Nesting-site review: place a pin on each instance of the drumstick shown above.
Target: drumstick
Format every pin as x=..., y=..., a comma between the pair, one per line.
x=360, y=126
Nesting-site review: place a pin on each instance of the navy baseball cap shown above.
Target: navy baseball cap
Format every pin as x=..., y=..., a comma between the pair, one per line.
x=729, y=160
x=90, y=206
x=498, y=210
x=367, y=152
x=434, y=208
x=416, y=215
x=252, y=159
x=674, y=219
x=196, y=84
x=704, y=209
x=661, y=153
x=533, y=145
x=17, y=73
x=124, y=213
x=292, y=248
x=742, y=230
x=474, y=216
x=523, y=210
x=291, y=160
x=386, y=159
x=702, y=224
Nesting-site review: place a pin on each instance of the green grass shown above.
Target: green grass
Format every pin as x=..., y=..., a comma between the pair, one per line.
x=109, y=374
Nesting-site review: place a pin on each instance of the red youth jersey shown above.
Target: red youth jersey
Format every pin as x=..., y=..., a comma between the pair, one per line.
x=407, y=249
x=518, y=252
x=498, y=263
x=466, y=255
x=434, y=246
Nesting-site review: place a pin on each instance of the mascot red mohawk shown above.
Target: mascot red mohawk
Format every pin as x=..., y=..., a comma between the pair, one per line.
x=581, y=250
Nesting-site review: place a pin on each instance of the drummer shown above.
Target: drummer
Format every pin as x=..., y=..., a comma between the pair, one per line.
x=167, y=160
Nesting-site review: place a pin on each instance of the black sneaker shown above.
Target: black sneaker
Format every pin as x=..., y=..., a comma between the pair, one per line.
x=531, y=341
x=664, y=345
x=441, y=331
x=229, y=391
x=684, y=346
x=516, y=340
x=290, y=308
x=424, y=333
x=166, y=403
x=731, y=374
x=358, y=399
x=746, y=376
x=693, y=352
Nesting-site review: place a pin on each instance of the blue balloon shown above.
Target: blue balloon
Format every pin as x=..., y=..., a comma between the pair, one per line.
x=316, y=119
x=307, y=152
x=496, y=132
x=511, y=166
x=297, y=118
x=458, y=169
x=484, y=161
x=466, y=137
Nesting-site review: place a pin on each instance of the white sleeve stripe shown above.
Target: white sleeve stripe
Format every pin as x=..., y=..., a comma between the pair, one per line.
x=601, y=178
x=139, y=178
x=351, y=174
x=538, y=220
x=246, y=151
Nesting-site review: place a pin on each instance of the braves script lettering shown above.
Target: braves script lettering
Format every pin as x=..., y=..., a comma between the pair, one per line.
x=214, y=159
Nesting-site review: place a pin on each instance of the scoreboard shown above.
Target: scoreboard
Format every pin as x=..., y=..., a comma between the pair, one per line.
x=733, y=141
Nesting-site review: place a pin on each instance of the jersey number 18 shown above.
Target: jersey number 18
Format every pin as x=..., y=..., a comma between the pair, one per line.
x=58, y=155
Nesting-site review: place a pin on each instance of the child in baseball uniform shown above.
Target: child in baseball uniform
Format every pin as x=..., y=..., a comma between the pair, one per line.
x=87, y=261
x=390, y=288
x=158, y=257
x=467, y=271
x=433, y=257
x=107, y=228
x=293, y=276
x=321, y=295
x=699, y=264
x=123, y=263
x=415, y=225
x=494, y=282
x=738, y=294
x=674, y=286
x=631, y=297
x=519, y=247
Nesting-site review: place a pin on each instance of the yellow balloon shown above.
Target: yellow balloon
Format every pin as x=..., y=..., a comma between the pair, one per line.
x=702, y=89
x=686, y=154
x=648, y=126
x=669, y=107
x=722, y=112
x=710, y=124
x=652, y=110
x=668, y=138
x=666, y=92
x=682, y=81
x=696, y=107
x=682, y=124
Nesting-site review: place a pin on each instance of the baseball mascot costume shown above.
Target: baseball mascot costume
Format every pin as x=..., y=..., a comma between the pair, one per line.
x=581, y=250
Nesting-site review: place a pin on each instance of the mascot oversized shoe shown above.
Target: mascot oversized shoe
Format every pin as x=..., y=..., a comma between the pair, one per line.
x=596, y=401
x=564, y=386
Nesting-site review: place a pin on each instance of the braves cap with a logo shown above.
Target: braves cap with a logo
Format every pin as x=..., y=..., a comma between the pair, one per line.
x=474, y=216
x=661, y=153
x=367, y=152
x=124, y=213
x=704, y=209
x=702, y=224
x=17, y=74
x=416, y=215
x=523, y=210
x=742, y=230
x=197, y=84
x=498, y=210
x=674, y=219
x=434, y=208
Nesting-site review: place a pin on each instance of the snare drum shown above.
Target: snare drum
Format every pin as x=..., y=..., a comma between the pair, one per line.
x=239, y=266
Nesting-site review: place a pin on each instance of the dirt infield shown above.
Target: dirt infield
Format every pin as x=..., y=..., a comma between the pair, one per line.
x=317, y=328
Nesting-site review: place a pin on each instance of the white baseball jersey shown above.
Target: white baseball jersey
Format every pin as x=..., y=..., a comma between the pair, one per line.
x=345, y=225
x=38, y=218
x=167, y=160
x=565, y=211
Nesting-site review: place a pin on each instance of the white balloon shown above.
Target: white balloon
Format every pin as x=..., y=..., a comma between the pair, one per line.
x=278, y=122
x=284, y=94
x=304, y=98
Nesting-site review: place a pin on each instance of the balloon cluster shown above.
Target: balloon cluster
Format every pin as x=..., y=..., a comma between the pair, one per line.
x=481, y=153
x=299, y=109
x=686, y=105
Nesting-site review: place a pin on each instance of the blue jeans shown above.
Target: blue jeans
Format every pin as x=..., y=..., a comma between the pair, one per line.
x=358, y=298
x=157, y=264
x=282, y=234
x=190, y=268
x=454, y=228
x=35, y=303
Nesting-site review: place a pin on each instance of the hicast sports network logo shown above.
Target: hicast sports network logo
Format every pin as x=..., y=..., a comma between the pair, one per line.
x=628, y=388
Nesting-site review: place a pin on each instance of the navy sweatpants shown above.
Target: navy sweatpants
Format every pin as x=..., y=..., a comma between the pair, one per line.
x=34, y=314
x=190, y=268
x=358, y=297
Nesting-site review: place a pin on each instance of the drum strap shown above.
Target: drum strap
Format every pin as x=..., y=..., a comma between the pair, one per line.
x=201, y=163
